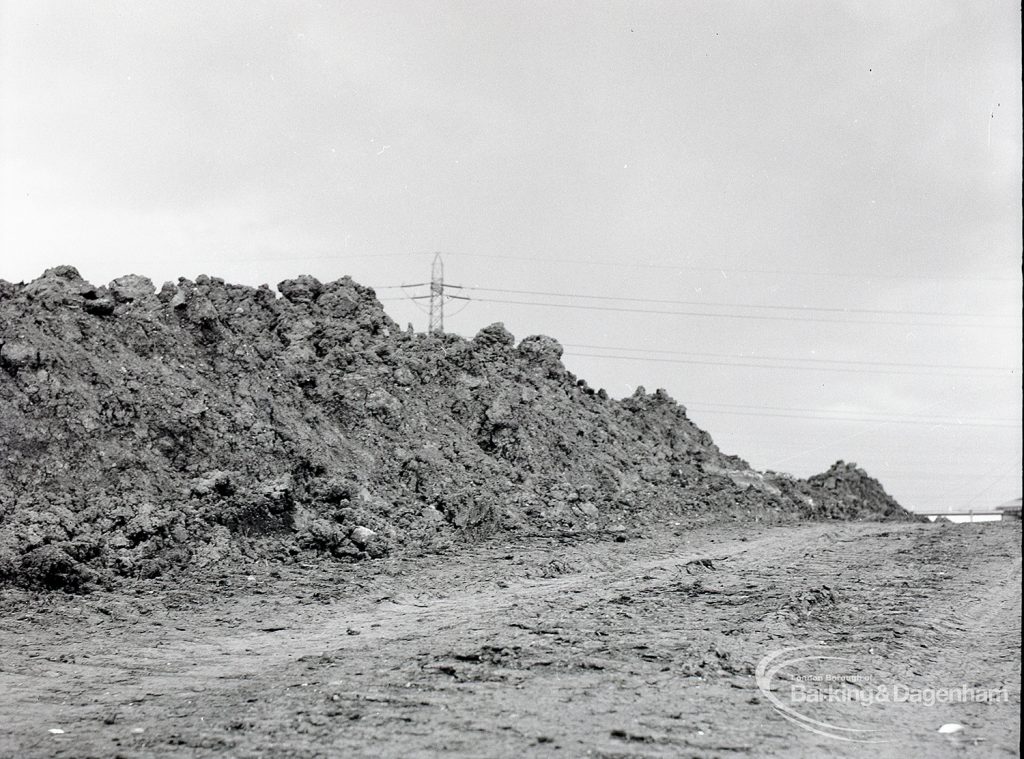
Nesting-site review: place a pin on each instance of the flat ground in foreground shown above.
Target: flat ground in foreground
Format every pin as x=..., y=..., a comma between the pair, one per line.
x=546, y=647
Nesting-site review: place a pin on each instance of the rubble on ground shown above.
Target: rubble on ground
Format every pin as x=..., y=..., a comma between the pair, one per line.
x=145, y=430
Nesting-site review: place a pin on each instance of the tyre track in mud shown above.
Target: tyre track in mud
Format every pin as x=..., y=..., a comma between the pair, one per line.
x=644, y=648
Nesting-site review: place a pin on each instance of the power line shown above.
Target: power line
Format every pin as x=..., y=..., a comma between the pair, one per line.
x=412, y=300
x=855, y=419
x=840, y=439
x=342, y=256
x=790, y=358
x=755, y=317
x=714, y=304
x=316, y=257
x=884, y=414
x=851, y=370
x=929, y=477
x=736, y=270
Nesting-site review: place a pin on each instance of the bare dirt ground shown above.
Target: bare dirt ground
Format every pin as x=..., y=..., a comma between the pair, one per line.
x=539, y=647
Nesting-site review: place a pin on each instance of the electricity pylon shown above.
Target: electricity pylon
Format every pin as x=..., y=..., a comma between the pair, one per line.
x=437, y=295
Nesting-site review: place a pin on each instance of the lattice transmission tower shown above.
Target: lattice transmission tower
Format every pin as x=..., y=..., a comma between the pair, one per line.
x=437, y=295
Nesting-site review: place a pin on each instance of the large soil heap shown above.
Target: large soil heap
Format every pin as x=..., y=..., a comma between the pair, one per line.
x=144, y=431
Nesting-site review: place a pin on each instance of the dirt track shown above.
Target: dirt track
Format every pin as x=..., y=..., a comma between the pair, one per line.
x=544, y=647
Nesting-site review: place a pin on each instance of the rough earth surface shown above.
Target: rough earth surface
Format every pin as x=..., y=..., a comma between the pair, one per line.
x=573, y=646
x=205, y=425
x=247, y=523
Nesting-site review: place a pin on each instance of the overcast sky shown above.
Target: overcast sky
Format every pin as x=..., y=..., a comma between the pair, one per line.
x=787, y=159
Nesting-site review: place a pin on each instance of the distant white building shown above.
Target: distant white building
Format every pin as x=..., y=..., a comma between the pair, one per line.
x=1010, y=510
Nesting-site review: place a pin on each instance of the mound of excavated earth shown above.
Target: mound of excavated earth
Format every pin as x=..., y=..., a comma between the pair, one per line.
x=143, y=432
